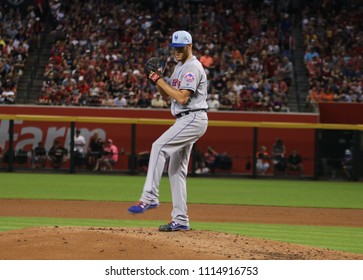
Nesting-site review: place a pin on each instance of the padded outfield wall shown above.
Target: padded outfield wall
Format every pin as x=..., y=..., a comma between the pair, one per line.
x=237, y=142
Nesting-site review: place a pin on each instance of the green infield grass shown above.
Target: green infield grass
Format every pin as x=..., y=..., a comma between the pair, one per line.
x=200, y=190
x=234, y=191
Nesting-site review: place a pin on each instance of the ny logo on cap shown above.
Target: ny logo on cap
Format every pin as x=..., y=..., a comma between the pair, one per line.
x=176, y=37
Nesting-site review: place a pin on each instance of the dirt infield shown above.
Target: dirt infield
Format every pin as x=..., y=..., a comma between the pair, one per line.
x=147, y=243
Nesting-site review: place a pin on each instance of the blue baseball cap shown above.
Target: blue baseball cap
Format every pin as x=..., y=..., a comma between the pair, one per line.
x=180, y=39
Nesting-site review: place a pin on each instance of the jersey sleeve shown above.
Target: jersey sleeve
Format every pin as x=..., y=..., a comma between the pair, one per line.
x=190, y=79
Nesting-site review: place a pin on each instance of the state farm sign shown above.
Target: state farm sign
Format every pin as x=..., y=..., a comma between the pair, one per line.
x=28, y=134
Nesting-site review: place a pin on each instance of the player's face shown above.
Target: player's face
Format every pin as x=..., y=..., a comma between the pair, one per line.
x=182, y=53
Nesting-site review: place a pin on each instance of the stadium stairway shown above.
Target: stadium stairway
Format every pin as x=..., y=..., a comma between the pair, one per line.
x=30, y=83
x=300, y=71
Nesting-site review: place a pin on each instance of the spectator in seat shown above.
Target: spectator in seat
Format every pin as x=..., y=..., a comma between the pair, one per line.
x=79, y=144
x=213, y=102
x=216, y=160
x=84, y=91
x=225, y=103
x=313, y=98
x=158, y=102
x=310, y=53
x=119, y=101
x=262, y=160
x=210, y=159
x=57, y=155
x=8, y=95
x=278, y=156
x=95, y=150
x=109, y=157
x=294, y=162
x=347, y=164
x=144, y=101
x=199, y=160
x=132, y=100
x=207, y=60
x=39, y=156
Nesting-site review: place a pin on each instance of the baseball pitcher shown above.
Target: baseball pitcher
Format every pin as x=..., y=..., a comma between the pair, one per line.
x=187, y=88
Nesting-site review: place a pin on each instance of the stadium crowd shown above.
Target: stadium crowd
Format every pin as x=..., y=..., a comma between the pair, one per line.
x=100, y=48
x=247, y=48
x=18, y=29
x=333, y=37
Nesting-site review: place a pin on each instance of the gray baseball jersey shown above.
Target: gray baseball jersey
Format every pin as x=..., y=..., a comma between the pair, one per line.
x=191, y=76
x=176, y=143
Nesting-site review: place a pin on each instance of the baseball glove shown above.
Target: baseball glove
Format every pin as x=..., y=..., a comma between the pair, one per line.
x=156, y=67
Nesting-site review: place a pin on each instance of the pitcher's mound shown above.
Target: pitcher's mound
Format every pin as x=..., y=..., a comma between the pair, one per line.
x=90, y=243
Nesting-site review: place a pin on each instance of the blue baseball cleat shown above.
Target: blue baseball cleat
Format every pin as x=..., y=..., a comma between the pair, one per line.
x=141, y=207
x=173, y=226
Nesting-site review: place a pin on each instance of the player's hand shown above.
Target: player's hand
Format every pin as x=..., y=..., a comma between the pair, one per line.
x=154, y=69
x=154, y=76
